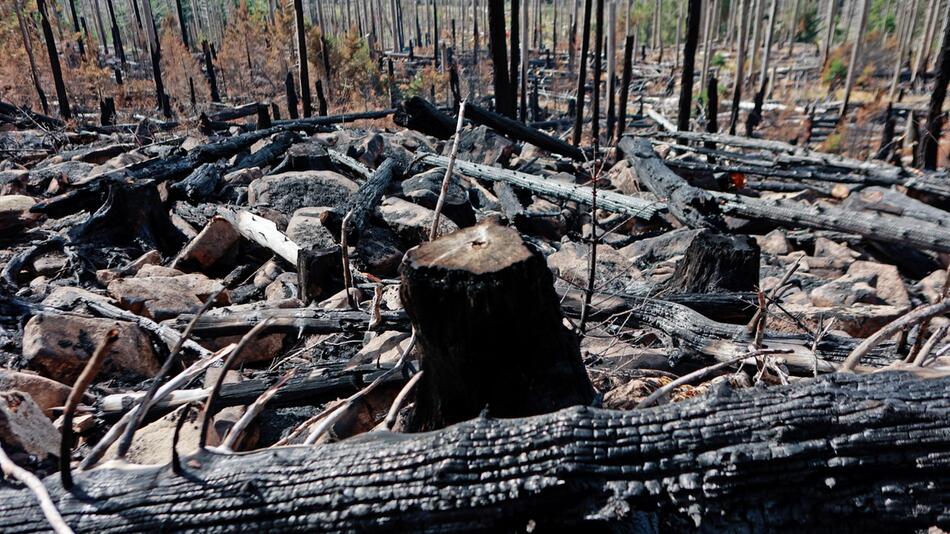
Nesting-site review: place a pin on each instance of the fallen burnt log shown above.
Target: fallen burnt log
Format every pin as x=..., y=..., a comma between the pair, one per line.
x=424, y=117
x=844, y=453
x=320, y=385
x=608, y=200
x=694, y=334
x=226, y=322
x=697, y=207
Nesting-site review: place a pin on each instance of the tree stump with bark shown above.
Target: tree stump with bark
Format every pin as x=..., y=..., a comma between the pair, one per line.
x=490, y=330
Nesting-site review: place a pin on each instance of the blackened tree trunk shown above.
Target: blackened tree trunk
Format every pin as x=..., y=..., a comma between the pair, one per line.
x=516, y=361
x=303, y=66
x=712, y=112
x=181, y=23
x=55, y=67
x=931, y=133
x=116, y=36
x=76, y=29
x=515, y=49
x=582, y=75
x=624, y=86
x=24, y=33
x=693, y=15
x=321, y=99
x=740, y=65
x=598, y=62
x=209, y=68
x=435, y=33
x=291, y=96
x=499, y=57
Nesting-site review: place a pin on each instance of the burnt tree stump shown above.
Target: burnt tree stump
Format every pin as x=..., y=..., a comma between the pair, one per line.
x=715, y=263
x=489, y=328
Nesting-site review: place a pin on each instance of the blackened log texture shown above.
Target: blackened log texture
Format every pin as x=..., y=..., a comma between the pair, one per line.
x=691, y=205
x=717, y=262
x=624, y=86
x=843, y=453
x=363, y=203
x=489, y=326
x=421, y=115
x=209, y=72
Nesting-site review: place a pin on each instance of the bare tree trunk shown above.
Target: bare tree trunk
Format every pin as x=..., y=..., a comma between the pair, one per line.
x=582, y=75
x=923, y=50
x=740, y=65
x=855, y=54
x=930, y=141
x=767, y=48
x=497, y=47
x=628, y=49
x=793, y=26
x=829, y=30
x=303, y=66
x=77, y=31
x=689, y=64
x=707, y=42
x=523, y=66
x=182, y=23
x=515, y=35
x=754, y=46
x=28, y=47
x=611, y=68
x=55, y=67
x=598, y=61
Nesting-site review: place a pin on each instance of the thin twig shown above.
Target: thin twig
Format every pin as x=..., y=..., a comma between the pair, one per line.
x=928, y=347
x=700, y=373
x=75, y=396
x=228, y=363
x=754, y=323
x=900, y=324
x=399, y=401
x=253, y=411
x=36, y=486
x=179, y=380
x=347, y=277
x=434, y=231
x=337, y=413
x=130, y=429
x=823, y=330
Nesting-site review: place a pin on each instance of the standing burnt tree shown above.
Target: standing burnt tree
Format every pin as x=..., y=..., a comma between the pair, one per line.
x=54, y=65
x=935, y=117
x=303, y=67
x=689, y=63
x=582, y=75
x=504, y=103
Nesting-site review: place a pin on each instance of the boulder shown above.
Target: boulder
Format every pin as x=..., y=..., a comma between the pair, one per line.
x=774, y=242
x=215, y=241
x=931, y=286
x=290, y=191
x=846, y=290
x=152, y=257
x=482, y=145
x=425, y=187
x=23, y=426
x=412, y=221
x=378, y=252
x=614, y=271
x=164, y=297
x=58, y=346
x=890, y=286
x=306, y=230
x=15, y=212
x=46, y=393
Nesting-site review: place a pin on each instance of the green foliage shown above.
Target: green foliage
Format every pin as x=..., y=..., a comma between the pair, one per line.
x=808, y=25
x=718, y=60
x=880, y=21
x=836, y=71
x=354, y=67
